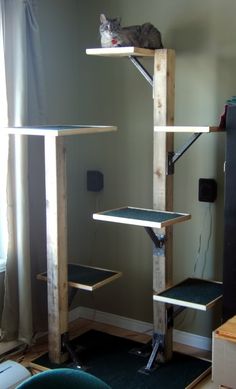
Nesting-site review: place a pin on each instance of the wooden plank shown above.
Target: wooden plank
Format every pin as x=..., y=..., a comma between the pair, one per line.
x=163, y=92
x=60, y=130
x=103, y=279
x=228, y=329
x=121, y=52
x=141, y=217
x=187, y=129
x=56, y=214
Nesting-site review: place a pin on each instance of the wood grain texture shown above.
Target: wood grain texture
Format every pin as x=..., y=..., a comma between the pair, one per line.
x=56, y=216
x=164, y=88
x=228, y=330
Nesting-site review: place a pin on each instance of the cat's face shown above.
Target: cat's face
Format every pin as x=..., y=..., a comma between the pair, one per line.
x=109, y=27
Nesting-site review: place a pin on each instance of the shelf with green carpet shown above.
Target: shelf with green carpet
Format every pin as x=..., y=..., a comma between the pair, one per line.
x=86, y=277
x=195, y=293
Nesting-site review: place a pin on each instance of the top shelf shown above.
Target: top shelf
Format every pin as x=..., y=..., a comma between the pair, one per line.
x=59, y=130
x=121, y=52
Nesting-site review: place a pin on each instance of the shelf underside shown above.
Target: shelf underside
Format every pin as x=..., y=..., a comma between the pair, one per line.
x=195, y=129
x=192, y=293
x=121, y=52
x=58, y=130
x=86, y=277
x=141, y=217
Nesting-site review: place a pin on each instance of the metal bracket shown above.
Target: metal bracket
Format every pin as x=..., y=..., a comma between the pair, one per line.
x=157, y=347
x=66, y=346
x=141, y=69
x=158, y=240
x=173, y=157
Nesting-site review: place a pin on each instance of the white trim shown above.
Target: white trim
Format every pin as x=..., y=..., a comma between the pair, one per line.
x=182, y=337
x=192, y=340
x=181, y=303
x=109, y=318
x=6, y=347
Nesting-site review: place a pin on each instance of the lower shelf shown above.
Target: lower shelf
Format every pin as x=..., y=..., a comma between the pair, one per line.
x=86, y=277
x=192, y=293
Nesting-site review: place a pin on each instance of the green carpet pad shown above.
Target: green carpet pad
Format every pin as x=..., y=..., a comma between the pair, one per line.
x=108, y=357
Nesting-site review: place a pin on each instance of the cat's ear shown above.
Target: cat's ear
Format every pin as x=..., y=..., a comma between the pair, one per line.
x=103, y=18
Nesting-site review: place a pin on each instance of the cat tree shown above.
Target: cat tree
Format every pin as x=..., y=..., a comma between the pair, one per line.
x=158, y=222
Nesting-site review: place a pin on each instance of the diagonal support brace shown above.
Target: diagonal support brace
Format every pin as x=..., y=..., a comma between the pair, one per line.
x=158, y=346
x=174, y=157
x=141, y=69
x=67, y=346
x=158, y=241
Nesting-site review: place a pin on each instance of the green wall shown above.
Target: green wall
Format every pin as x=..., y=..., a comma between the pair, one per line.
x=94, y=90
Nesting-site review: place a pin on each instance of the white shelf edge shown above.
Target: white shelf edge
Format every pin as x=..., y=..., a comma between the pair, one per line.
x=138, y=222
x=179, y=302
x=117, y=274
x=59, y=130
x=205, y=129
x=121, y=52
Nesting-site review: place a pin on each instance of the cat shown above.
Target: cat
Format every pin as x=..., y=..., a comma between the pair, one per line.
x=113, y=35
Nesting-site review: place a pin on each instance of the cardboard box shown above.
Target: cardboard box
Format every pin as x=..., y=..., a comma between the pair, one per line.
x=224, y=355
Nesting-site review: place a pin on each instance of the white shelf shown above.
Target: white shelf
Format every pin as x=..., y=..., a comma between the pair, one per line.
x=141, y=217
x=187, y=129
x=192, y=293
x=121, y=52
x=59, y=130
x=87, y=277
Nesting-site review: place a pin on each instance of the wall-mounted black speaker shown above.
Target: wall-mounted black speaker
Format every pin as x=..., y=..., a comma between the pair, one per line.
x=94, y=181
x=207, y=190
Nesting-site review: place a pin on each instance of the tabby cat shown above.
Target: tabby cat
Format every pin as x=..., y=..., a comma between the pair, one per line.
x=113, y=35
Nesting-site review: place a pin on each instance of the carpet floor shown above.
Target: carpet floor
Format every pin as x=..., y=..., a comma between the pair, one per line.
x=108, y=357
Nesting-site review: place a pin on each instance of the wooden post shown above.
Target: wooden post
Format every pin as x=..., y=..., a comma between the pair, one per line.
x=164, y=76
x=56, y=214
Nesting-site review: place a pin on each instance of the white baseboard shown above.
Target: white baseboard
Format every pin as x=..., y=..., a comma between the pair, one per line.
x=182, y=337
x=192, y=340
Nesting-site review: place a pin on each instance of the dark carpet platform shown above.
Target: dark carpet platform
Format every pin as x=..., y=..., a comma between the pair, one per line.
x=108, y=357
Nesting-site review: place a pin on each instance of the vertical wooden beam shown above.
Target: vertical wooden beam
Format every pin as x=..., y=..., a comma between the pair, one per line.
x=56, y=214
x=164, y=81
